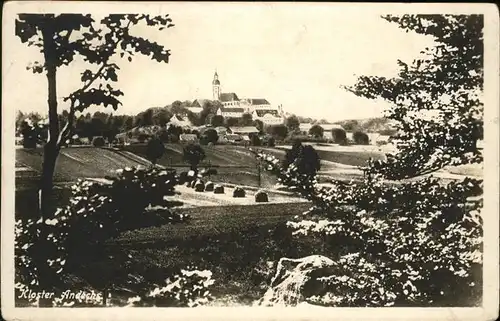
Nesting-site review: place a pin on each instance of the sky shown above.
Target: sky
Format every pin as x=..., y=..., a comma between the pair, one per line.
x=297, y=55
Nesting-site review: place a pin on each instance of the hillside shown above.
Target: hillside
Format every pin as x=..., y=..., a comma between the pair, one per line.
x=74, y=163
x=367, y=125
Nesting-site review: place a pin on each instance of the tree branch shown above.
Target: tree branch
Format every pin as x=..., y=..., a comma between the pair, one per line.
x=64, y=134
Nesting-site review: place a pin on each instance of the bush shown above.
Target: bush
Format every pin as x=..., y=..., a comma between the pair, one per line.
x=316, y=131
x=339, y=136
x=261, y=197
x=255, y=140
x=239, y=192
x=268, y=141
x=172, y=138
x=96, y=213
x=277, y=131
x=382, y=142
x=193, y=286
x=360, y=138
x=183, y=177
x=211, y=136
x=155, y=150
x=209, y=187
x=218, y=189
x=98, y=141
x=304, y=139
x=193, y=154
x=142, y=138
x=387, y=132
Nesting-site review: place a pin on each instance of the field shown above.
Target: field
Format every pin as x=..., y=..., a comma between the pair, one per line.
x=237, y=243
x=239, y=240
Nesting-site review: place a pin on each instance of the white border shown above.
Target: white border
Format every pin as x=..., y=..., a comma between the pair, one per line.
x=489, y=311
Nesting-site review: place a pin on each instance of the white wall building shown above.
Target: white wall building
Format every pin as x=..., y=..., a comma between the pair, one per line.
x=235, y=107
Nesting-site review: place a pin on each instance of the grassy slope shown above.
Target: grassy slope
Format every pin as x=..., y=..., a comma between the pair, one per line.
x=233, y=242
x=77, y=162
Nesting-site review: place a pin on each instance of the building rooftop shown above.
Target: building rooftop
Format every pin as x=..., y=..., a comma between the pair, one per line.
x=257, y=101
x=232, y=110
x=228, y=97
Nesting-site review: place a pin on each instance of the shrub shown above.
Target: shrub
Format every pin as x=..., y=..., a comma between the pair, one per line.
x=47, y=249
x=339, y=136
x=387, y=132
x=304, y=139
x=261, y=197
x=183, y=177
x=277, y=131
x=155, y=150
x=142, y=138
x=382, y=142
x=360, y=138
x=209, y=187
x=172, y=138
x=255, y=140
x=193, y=154
x=239, y=192
x=98, y=141
x=316, y=131
x=211, y=136
x=418, y=240
x=218, y=189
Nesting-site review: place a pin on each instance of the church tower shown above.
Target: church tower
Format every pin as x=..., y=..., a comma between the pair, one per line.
x=216, y=87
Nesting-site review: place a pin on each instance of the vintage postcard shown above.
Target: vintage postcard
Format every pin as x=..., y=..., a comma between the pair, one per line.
x=249, y=160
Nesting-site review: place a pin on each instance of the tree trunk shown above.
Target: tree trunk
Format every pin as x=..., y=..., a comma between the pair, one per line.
x=50, y=153
x=51, y=148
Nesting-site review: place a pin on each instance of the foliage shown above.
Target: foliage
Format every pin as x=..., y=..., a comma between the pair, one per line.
x=231, y=121
x=436, y=98
x=259, y=125
x=96, y=212
x=211, y=135
x=217, y=120
x=255, y=140
x=33, y=131
x=98, y=141
x=190, y=288
x=418, y=242
x=316, y=131
x=245, y=120
x=60, y=39
x=292, y=123
x=303, y=158
x=193, y=154
x=155, y=150
x=360, y=138
x=304, y=139
x=339, y=136
x=277, y=131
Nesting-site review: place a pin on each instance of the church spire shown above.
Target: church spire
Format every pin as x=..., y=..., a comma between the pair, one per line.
x=216, y=86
